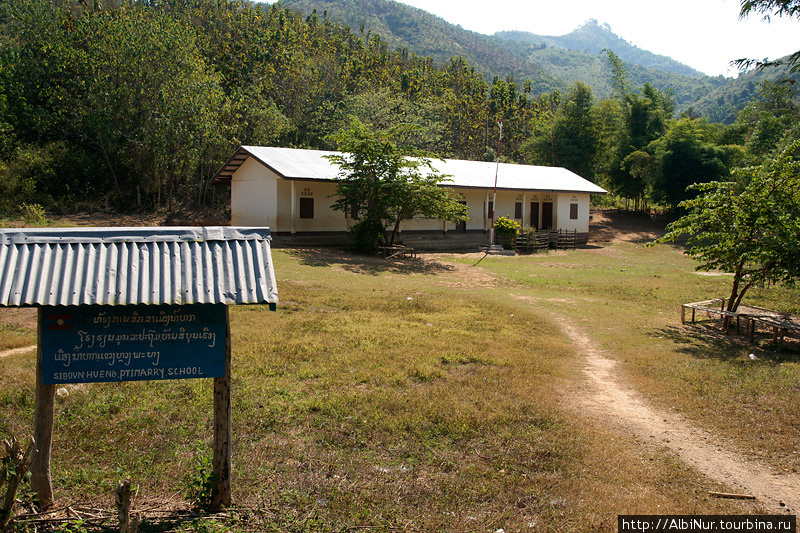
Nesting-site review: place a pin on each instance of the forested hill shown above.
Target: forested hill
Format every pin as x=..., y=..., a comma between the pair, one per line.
x=550, y=63
x=592, y=38
x=138, y=104
x=579, y=57
x=404, y=27
x=724, y=102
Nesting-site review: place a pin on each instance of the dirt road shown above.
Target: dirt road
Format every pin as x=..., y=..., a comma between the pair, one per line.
x=609, y=400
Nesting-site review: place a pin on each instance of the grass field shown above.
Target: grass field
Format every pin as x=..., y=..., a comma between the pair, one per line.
x=433, y=395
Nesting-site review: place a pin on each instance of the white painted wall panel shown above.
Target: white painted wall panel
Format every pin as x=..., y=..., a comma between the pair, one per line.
x=254, y=198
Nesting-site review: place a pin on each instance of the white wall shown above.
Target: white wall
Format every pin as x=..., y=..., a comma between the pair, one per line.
x=325, y=218
x=476, y=204
x=254, y=198
x=475, y=210
x=581, y=224
x=260, y=198
x=476, y=199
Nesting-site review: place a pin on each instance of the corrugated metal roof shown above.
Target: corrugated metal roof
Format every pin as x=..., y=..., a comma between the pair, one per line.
x=122, y=266
x=293, y=163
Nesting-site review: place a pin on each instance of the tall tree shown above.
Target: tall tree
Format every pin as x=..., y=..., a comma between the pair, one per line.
x=751, y=231
x=383, y=183
x=128, y=85
x=465, y=113
x=570, y=137
x=541, y=147
x=771, y=121
x=685, y=156
x=578, y=131
x=644, y=119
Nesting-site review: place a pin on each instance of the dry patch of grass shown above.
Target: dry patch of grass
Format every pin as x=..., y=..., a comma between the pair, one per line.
x=17, y=328
x=392, y=396
x=628, y=297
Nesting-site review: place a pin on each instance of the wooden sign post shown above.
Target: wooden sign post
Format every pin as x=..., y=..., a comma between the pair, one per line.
x=132, y=304
x=42, y=432
x=221, y=491
x=98, y=343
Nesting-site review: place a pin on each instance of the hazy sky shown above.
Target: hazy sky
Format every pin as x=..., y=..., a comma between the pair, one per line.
x=704, y=34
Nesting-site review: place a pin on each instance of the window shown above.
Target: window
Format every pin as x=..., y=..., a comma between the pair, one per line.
x=573, y=211
x=518, y=210
x=306, y=208
x=490, y=212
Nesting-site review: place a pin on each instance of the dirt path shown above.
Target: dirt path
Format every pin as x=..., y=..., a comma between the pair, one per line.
x=16, y=351
x=611, y=401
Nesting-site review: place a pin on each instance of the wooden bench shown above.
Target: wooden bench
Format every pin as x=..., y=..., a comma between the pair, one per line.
x=706, y=307
x=716, y=307
x=398, y=250
x=780, y=328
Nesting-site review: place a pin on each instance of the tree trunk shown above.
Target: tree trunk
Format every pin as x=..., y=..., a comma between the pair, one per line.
x=394, y=232
x=110, y=168
x=736, y=295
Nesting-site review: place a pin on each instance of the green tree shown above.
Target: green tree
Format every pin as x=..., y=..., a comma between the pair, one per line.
x=608, y=120
x=685, y=156
x=570, y=137
x=465, y=113
x=383, y=108
x=382, y=183
x=644, y=119
x=541, y=146
x=128, y=85
x=642, y=169
x=751, y=231
x=619, y=76
x=770, y=121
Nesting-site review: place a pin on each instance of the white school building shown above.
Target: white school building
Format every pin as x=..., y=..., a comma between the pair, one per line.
x=291, y=191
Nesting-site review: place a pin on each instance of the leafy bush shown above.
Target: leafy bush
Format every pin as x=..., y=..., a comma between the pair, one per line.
x=507, y=228
x=367, y=236
x=199, y=484
x=33, y=215
x=529, y=233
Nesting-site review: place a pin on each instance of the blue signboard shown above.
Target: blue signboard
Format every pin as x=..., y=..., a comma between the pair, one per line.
x=101, y=343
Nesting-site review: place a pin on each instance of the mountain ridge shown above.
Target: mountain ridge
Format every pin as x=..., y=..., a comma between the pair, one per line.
x=550, y=63
x=593, y=37
x=406, y=27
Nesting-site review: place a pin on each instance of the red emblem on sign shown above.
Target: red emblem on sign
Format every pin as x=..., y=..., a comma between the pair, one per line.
x=59, y=322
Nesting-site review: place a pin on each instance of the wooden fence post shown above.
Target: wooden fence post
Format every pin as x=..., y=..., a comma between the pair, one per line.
x=42, y=430
x=221, y=491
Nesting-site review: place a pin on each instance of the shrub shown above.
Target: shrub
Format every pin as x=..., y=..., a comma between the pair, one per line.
x=367, y=236
x=33, y=215
x=507, y=228
x=199, y=484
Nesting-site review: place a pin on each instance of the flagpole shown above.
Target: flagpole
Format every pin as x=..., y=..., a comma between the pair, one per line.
x=494, y=196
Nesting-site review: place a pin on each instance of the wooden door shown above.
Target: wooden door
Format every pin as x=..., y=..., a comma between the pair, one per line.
x=461, y=227
x=547, y=215
x=535, y=215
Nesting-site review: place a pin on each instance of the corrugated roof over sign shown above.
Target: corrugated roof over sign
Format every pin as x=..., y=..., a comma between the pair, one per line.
x=293, y=163
x=125, y=266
